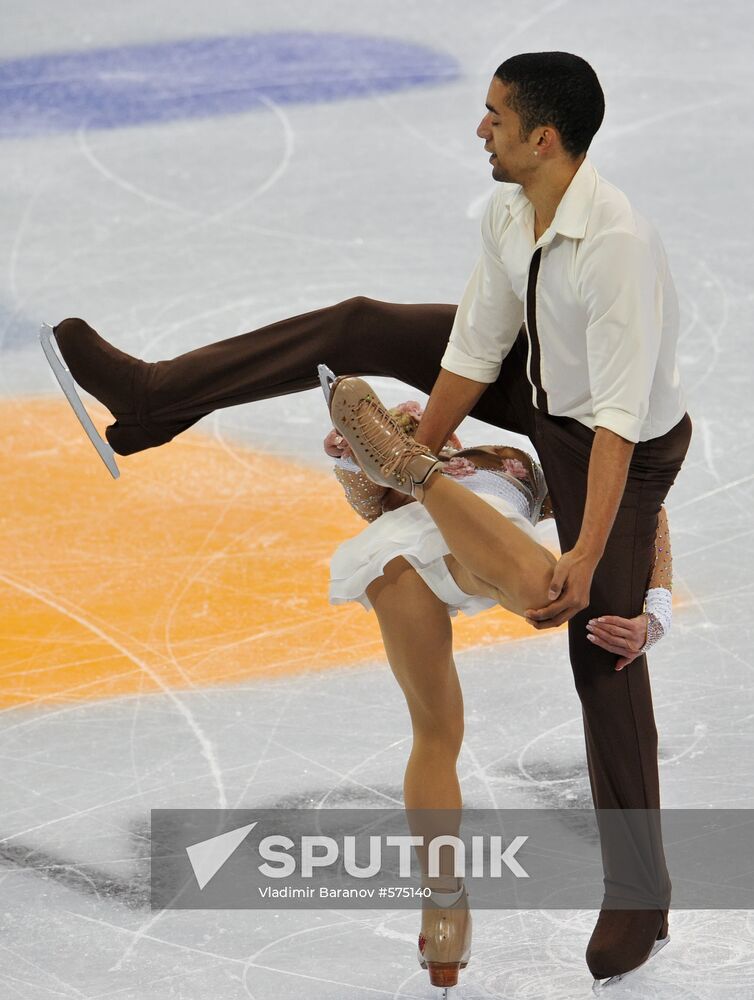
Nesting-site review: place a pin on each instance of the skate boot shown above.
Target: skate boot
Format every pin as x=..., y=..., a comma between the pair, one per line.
x=116, y=379
x=445, y=939
x=67, y=384
x=387, y=455
x=622, y=941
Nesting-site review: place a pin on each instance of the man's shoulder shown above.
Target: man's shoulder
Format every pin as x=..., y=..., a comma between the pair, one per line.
x=613, y=212
x=616, y=230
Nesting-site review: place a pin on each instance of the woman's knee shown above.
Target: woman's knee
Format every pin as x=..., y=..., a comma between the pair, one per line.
x=439, y=730
x=533, y=582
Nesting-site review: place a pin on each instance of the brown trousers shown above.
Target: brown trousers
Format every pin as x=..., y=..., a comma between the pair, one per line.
x=406, y=342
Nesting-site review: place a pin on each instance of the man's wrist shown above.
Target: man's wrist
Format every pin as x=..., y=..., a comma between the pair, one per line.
x=452, y=398
x=589, y=549
x=428, y=440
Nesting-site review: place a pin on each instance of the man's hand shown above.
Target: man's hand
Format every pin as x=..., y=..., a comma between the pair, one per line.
x=569, y=590
x=571, y=582
x=622, y=636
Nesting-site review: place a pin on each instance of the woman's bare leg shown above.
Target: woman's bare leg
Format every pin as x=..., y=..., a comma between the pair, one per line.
x=490, y=555
x=417, y=635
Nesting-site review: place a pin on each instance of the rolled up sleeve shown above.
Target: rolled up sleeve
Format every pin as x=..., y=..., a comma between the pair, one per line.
x=489, y=315
x=622, y=289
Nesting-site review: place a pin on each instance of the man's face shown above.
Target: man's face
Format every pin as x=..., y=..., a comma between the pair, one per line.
x=511, y=159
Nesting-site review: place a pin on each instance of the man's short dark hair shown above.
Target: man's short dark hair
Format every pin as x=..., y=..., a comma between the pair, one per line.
x=558, y=89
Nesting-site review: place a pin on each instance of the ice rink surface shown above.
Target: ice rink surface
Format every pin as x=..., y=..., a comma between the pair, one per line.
x=218, y=214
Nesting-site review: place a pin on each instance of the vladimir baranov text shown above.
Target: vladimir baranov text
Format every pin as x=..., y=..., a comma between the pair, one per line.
x=509, y=858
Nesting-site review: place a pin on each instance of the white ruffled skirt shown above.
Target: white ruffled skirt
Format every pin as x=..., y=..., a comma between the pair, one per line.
x=409, y=532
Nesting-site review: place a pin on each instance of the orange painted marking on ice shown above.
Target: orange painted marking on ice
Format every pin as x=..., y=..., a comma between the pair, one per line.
x=205, y=563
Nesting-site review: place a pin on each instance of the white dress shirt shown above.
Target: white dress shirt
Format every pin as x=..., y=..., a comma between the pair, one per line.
x=606, y=314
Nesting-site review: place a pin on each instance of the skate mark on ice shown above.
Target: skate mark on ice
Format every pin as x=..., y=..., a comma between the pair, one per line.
x=205, y=744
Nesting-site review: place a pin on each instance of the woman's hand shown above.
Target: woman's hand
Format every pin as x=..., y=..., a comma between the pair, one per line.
x=336, y=445
x=623, y=636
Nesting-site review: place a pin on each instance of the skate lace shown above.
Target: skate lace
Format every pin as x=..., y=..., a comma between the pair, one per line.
x=373, y=421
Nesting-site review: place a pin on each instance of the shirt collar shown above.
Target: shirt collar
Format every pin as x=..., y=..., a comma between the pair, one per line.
x=572, y=214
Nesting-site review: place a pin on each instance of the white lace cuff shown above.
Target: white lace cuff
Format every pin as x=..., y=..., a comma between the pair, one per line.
x=658, y=605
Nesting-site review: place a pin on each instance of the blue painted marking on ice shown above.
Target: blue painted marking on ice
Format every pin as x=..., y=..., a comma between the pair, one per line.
x=202, y=77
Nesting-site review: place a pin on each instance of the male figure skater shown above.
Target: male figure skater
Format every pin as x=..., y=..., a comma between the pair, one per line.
x=590, y=377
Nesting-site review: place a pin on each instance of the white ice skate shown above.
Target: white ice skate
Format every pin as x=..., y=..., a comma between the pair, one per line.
x=65, y=379
x=602, y=984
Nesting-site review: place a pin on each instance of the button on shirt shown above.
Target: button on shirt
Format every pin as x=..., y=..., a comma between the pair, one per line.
x=606, y=309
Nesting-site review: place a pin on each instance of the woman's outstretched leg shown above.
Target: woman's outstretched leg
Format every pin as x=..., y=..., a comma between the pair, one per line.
x=486, y=543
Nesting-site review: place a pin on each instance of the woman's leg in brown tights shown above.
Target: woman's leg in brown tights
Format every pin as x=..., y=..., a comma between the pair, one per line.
x=417, y=635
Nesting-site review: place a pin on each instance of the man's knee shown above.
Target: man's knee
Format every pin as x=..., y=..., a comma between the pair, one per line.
x=358, y=308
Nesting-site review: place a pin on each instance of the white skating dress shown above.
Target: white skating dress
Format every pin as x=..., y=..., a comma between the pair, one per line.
x=410, y=532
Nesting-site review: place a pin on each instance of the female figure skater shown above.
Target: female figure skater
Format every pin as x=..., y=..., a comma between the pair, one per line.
x=458, y=548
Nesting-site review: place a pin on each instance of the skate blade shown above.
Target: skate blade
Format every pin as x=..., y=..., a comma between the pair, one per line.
x=326, y=379
x=603, y=984
x=65, y=379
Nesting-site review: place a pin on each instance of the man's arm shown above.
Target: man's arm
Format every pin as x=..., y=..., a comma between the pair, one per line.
x=452, y=398
x=572, y=580
x=621, y=286
x=485, y=328
x=486, y=324
x=608, y=470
